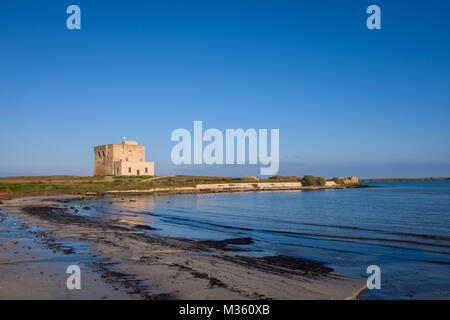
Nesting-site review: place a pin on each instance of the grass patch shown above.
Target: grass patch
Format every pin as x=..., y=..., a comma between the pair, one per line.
x=99, y=184
x=81, y=185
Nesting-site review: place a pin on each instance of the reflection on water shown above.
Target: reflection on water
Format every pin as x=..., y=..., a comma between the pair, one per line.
x=403, y=227
x=123, y=210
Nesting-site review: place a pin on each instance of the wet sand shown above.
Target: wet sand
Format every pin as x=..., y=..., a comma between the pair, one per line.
x=127, y=262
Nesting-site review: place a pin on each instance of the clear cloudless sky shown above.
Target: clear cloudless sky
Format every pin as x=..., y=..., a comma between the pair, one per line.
x=347, y=100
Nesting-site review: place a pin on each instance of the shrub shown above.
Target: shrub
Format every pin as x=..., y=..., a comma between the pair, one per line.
x=313, y=181
x=309, y=180
x=285, y=178
x=276, y=177
x=339, y=180
x=321, y=181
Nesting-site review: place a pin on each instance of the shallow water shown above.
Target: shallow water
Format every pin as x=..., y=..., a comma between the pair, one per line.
x=33, y=244
x=403, y=227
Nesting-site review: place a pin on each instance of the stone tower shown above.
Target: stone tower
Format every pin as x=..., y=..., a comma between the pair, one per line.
x=126, y=159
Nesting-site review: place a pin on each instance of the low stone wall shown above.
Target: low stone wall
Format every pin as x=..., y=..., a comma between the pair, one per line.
x=221, y=187
x=250, y=186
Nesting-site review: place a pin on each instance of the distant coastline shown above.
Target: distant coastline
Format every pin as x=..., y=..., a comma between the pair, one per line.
x=16, y=187
x=404, y=179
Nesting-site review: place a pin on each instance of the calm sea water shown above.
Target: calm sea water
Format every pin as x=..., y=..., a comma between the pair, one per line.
x=403, y=227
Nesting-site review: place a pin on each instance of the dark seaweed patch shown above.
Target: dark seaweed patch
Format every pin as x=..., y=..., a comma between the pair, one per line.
x=224, y=244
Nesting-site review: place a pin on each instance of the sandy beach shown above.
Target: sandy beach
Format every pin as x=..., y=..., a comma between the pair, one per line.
x=39, y=240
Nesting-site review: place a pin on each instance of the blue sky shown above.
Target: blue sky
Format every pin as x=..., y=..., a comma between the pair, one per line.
x=347, y=100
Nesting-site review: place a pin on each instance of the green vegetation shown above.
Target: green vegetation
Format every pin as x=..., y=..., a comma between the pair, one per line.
x=313, y=181
x=285, y=178
x=321, y=181
x=81, y=185
x=339, y=180
x=9, y=186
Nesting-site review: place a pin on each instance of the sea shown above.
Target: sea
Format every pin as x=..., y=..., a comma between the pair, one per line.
x=402, y=228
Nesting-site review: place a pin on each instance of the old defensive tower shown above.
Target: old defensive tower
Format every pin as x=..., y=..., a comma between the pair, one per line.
x=126, y=159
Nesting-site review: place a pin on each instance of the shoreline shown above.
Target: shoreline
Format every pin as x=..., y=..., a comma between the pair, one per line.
x=203, y=189
x=155, y=267
x=404, y=179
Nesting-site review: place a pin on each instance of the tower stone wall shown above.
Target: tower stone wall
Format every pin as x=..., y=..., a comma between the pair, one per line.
x=127, y=158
